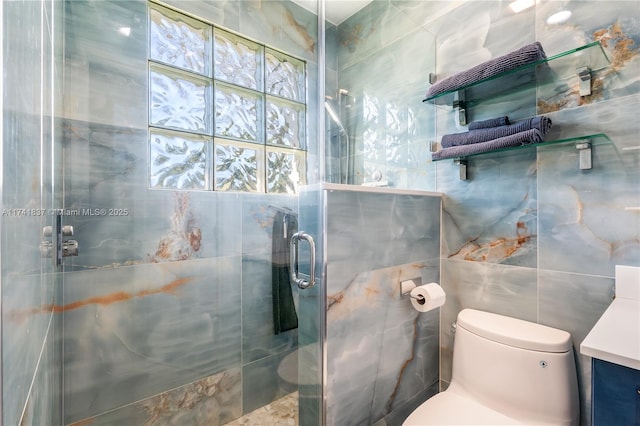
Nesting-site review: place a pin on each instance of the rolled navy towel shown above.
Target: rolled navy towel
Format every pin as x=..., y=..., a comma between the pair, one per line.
x=539, y=122
x=522, y=138
x=492, y=122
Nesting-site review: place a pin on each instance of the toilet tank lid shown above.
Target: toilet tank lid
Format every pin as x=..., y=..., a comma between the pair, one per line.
x=514, y=332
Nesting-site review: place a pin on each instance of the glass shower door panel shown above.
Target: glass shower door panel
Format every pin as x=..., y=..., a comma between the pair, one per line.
x=168, y=308
x=30, y=285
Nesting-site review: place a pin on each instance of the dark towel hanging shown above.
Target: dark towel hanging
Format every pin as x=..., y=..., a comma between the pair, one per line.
x=284, y=310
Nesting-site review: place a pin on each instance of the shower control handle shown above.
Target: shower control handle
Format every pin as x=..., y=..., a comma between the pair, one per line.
x=303, y=281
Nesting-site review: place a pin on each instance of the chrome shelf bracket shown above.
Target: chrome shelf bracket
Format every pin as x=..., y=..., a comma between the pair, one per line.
x=460, y=107
x=584, y=148
x=463, y=168
x=584, y=75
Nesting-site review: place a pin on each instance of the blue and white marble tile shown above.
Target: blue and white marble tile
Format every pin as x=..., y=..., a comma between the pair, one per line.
x=258, y=338
x=380, y=351
x=140, y=330
x=477, y=31
x=587, y=219
x=615, y=26
x=283, y=25
x=105, y=70
x=27, y=322
x=574, y=303
x=406, y=229
x=492, y=217
x=30, y=369
x=258, y=213
x=213, y=400
x=225, y=13
x=266, y=373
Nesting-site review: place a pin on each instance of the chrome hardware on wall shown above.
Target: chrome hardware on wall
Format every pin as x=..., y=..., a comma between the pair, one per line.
x=584, y=148
x=307, y=281
x=461, y=107
x=584, y=74
x=463, y=168
x=62, y=248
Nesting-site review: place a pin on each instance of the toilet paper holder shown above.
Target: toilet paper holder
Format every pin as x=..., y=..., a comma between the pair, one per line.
x=408, y=285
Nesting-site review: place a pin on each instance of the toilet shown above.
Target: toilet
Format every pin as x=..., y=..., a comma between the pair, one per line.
x=506, y=371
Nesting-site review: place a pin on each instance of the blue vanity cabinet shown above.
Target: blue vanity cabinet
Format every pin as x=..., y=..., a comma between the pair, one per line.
x=615, y=394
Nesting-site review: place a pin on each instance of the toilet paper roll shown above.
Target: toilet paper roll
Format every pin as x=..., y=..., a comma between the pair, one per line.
x=427, y=297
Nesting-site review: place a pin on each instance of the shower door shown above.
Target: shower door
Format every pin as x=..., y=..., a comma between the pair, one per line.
x=29, y=283
x=126, y=300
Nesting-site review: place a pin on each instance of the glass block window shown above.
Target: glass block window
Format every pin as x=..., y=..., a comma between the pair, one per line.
x=179, y=160
x=226, y=113
x=389, y=130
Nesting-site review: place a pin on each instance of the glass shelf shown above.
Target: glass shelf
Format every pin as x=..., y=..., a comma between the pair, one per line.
x=554, y=68
x=595, y=139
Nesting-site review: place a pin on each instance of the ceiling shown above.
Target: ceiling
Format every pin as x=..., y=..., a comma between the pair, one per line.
x=336, y=11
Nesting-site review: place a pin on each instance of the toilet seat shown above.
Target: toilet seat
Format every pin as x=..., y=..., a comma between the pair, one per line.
x=450, y=408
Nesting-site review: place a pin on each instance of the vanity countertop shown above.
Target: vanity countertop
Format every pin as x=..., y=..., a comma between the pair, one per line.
x=616, y=336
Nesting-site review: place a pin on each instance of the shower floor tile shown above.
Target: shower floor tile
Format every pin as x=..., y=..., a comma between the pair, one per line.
x=283, y=411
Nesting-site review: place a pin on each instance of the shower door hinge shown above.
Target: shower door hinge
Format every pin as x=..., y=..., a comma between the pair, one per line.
x=56, y=246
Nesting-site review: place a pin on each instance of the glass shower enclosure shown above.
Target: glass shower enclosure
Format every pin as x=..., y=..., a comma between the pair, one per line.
x=148, y=199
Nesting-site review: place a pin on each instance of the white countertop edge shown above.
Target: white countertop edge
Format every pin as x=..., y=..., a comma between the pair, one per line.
x=616, y=336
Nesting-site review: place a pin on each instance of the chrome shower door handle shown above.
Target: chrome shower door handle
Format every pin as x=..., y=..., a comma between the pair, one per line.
x=309, y=280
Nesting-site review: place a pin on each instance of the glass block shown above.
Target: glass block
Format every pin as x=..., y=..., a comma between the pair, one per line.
x=178, y=161
x=370, y=109
x=285, y=76
x=394, y=117
x=180, y=41
x=238, y=113
x=286, y=170
x=372, y=145
x=237, y=60
x=179, y=101
x=412, y=122
x=372, y=141
x=285, y=123
x=238, y=166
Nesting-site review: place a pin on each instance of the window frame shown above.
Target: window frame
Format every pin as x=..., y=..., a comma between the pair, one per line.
x=297, y=109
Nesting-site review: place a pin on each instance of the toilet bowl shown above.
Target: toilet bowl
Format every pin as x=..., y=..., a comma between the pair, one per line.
x=506, y=371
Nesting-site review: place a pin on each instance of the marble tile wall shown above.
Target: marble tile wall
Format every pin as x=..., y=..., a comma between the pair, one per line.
x=382, y=355
x=529, y=235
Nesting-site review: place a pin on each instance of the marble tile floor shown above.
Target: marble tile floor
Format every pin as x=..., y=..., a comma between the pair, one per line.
x=281, y=412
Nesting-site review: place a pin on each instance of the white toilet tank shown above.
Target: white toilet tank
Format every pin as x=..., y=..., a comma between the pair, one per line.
x=505, y=372
x=521, y=369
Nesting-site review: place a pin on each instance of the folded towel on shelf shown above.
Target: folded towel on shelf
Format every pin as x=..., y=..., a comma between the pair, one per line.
x=525, y=55
x=522, y=138
x=492, y=122
x=540, y=123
